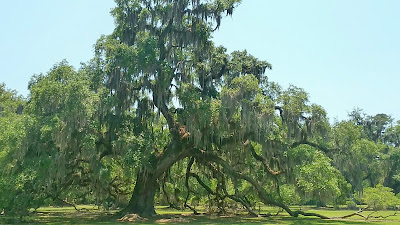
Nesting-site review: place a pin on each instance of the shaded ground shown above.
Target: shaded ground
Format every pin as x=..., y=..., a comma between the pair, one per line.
x=92, y=215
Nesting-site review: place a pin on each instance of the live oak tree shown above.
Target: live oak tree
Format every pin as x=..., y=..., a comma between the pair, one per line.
x=160, y=102
x=159, y=66
x=159, y=92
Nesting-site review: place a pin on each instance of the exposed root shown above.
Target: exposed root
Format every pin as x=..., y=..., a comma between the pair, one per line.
x=132, y=218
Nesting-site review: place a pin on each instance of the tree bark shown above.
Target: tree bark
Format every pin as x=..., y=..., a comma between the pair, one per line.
x=142, y=200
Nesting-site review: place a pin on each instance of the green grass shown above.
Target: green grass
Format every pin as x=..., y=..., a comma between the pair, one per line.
x=93, y=215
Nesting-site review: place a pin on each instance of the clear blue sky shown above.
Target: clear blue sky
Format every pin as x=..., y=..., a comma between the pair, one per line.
x=345, y=54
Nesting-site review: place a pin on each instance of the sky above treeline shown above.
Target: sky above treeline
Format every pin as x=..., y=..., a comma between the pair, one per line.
x=345, y=54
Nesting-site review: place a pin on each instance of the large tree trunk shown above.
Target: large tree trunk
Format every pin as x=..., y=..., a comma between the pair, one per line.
x=142, y=200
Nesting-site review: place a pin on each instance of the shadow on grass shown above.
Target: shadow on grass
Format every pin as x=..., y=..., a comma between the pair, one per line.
x=104, y=217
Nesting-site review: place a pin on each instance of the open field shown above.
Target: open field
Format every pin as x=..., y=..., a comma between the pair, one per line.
x=93, y=215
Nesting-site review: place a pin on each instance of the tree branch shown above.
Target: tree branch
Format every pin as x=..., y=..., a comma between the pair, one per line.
x=306, y=142
x=188, y=168
x=260, y=158
x=260, y=190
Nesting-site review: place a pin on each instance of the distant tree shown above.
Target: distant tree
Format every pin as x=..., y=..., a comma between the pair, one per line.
x=392, y=179
x=316, y=178
x=361, y=161
x=10, y=101
x=379, y=197
x=392, y=135
x=374, y=127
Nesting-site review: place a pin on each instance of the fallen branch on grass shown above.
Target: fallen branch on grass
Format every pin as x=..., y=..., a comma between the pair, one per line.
x=358, y=213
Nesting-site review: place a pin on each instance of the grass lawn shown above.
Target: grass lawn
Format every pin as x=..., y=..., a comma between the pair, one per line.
x=92, y=215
